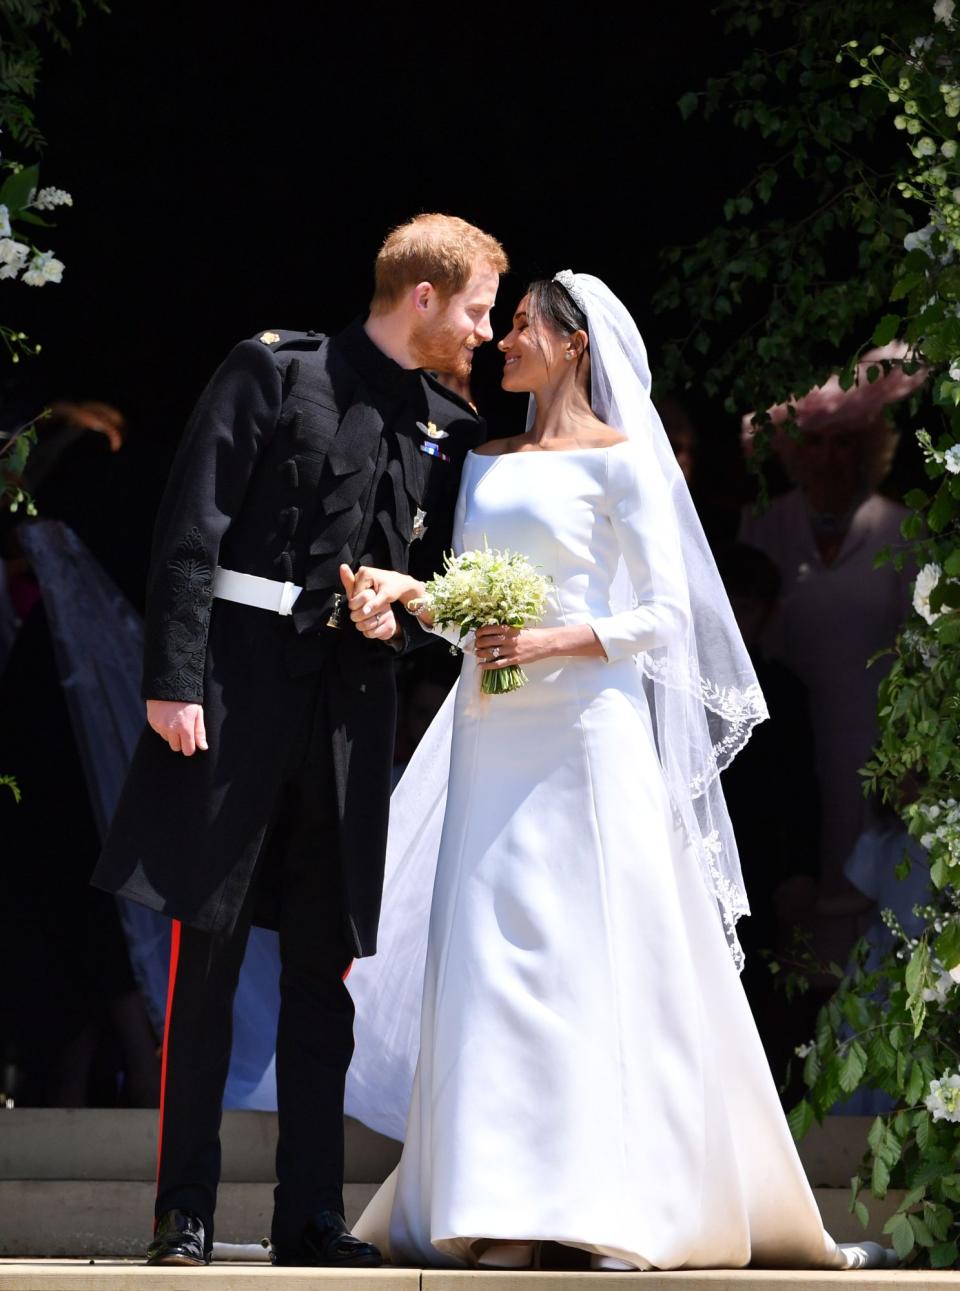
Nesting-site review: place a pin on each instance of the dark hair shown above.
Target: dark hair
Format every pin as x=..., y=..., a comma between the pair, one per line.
x=551, y=303
x=748, y=573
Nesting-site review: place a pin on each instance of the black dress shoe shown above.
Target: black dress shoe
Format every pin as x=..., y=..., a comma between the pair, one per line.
x=326, y=1242
x=179, y=1239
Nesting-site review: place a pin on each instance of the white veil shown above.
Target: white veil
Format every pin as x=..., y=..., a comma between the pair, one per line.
x=704, y=697
x=704, y=701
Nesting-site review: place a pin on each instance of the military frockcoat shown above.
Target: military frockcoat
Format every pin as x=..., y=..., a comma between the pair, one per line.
x=304, y=451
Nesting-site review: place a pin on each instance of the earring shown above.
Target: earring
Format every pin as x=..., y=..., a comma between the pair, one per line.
x=568, y=356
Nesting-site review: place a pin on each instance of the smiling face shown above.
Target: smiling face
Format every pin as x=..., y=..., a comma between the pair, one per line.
x=447, y=331
x=534, y=354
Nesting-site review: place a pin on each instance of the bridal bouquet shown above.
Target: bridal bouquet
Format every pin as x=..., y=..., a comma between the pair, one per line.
x=481, y=588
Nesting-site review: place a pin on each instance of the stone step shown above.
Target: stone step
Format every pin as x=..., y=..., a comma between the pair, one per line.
x=121, y=1143
x=97, y=1218
x=119, y=1276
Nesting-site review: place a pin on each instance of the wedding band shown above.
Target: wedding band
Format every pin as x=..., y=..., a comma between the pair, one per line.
x=376, y=619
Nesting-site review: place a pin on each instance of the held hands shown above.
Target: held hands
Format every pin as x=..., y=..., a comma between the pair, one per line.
x=370, y=596
x=181, y=725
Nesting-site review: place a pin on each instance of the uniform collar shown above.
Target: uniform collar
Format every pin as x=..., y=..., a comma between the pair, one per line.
x=373, y=365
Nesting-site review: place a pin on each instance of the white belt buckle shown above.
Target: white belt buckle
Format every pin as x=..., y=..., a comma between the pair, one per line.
x=288, y=594
x=250, y=589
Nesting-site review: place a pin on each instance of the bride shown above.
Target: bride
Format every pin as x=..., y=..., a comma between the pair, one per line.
x=588, y=1070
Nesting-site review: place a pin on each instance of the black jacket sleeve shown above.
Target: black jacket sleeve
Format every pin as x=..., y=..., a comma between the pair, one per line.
x=235, y=416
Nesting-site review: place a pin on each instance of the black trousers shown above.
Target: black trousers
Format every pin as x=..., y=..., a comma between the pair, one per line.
x=300, y=864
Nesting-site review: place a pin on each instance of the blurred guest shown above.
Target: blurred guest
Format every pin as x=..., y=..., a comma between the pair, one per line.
x=713, y=469
x=72, y=1023
x=837, y=610
x=771, y=791
x=681, y=433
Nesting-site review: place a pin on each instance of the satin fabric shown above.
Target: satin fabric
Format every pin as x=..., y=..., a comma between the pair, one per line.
x=588, y=1070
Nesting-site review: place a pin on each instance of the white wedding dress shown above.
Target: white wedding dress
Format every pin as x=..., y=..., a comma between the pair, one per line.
x=589, y=1071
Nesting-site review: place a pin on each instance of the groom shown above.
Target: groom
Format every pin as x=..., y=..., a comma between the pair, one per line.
x=260, y=793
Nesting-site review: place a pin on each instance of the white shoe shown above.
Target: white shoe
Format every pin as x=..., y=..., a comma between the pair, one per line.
x=607, y=1264
x=507, y=1255
x=868, y=1255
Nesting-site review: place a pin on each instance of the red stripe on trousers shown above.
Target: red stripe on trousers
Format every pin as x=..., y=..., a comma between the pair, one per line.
x=171, y=983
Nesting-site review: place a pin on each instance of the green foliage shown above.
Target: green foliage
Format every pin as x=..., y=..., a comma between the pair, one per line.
x=867, y=1037
x=23, y=24
x=844, y=235
x=14, y=451
x=8, y=782
x=806, y=255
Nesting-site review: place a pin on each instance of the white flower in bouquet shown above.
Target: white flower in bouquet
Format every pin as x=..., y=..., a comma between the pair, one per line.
x=482, y=588
x=943, y=1101
x=927, y=580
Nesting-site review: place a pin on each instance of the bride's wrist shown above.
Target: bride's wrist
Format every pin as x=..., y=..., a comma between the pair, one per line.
x=411, y=595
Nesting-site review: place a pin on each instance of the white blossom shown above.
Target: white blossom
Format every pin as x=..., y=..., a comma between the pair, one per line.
x=943, y=11
x=949, y=148
x=48, y=198
x=919, y=239
x=5, y=229
x=953, y=372
x=927, y=580
x=955, y=972
x=43, y=269
x=925, y=147
x=12, y=257
x=940, y=990
x=12, y=252
x=943, y=1101
x=951, y=459
x=803, y=1050
x=927, y=841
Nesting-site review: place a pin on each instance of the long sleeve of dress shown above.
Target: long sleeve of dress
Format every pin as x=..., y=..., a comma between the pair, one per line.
x=644, y=523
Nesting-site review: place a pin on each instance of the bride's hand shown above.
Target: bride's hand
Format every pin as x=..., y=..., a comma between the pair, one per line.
x=503, y=647
x=371, y=593
x=517, y=646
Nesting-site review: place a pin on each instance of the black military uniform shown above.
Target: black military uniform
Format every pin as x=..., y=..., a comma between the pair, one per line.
x=303, y=452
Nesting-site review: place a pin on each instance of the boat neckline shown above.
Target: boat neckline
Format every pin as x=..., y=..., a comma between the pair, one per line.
x=549, y=452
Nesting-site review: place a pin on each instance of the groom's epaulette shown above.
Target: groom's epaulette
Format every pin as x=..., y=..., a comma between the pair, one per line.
x=279, y=341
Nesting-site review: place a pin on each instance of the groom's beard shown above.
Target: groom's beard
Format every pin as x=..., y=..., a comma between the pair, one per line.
x=440, y=348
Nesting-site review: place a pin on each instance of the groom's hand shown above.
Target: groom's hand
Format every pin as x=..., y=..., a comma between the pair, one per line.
x=181, y=725
x=369, y=602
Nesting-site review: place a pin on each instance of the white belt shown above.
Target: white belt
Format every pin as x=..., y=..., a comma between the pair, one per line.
x=249, y=589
